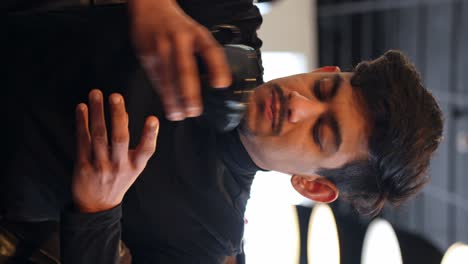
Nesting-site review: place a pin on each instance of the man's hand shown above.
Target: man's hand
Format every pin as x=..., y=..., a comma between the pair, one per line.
x=105, y=171
x=167, y=40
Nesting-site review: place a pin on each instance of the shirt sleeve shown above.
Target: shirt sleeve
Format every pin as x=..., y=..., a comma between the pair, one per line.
x=90, y=238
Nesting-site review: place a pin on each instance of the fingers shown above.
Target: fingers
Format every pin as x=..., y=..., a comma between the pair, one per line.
x=96, y=141
x=214, y=58
x=171, y=66
x=147, y=144
x=187, y=75
x=83, y=138
x=163, y=84
x=120, y=135
x=98, y=127
x=160, y=68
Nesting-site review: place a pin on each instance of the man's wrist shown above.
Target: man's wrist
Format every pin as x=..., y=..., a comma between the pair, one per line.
x=161, y=4
x=91, y=208
x=71, y=218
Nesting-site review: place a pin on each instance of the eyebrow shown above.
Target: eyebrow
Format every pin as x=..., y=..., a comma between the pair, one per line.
x=333, y=123
x=337, y=80
x=329, y=118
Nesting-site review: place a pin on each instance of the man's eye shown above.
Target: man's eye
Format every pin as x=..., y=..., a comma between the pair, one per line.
x=316, y=132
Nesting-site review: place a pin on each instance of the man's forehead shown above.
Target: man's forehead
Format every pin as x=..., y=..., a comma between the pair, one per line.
x=315, y=75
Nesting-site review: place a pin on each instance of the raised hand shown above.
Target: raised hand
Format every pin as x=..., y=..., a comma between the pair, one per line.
x=167, y=40
x=104, y=170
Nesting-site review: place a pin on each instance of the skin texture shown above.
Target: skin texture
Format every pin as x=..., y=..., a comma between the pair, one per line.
x=292, y=149
x=166, y=45
x=104, y=171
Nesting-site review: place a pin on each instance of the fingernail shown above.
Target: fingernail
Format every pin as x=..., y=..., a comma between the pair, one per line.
x=193, y=111
x=80, y=107
x=115, y=99
x=96, y=96
x=152, y=124
x=221, y=82
x=175, y=116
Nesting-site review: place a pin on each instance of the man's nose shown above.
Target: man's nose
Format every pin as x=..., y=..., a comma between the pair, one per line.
x=301, y=108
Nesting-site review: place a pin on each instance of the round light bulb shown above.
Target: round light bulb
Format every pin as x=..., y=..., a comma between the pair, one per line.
x=323, y=246
x=381, y=244
x=456, y=254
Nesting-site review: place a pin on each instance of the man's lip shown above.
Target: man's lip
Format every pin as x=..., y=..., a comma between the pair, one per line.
x=267, y=111
x=278, y=108
x=274, y=108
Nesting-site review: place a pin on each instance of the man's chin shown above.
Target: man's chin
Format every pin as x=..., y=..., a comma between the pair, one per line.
x=255, y=131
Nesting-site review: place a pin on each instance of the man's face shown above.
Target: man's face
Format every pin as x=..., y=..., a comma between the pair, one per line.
x=304, y=122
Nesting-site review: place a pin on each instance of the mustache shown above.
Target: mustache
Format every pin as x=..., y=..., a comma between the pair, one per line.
x=282, y=111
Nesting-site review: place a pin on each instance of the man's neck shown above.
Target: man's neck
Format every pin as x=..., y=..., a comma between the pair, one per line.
x=244, y=138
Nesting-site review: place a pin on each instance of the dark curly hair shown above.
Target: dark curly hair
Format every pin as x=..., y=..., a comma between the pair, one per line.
x=405, y=129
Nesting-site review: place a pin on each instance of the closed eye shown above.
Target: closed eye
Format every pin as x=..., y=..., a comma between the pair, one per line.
x=316, y=132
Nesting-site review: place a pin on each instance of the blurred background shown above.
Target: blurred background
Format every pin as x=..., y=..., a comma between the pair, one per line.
x=300, y=35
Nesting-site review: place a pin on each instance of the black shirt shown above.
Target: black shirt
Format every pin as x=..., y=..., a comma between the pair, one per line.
x=187, y=205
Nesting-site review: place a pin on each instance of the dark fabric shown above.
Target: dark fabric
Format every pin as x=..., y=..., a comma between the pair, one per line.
x=188, y=204
x=79, y=232
x=241, y=13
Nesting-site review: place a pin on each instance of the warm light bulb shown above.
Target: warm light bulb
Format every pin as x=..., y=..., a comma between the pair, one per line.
x=272, y=229
x=323, y=245
x=381, y=244
x=456, y=254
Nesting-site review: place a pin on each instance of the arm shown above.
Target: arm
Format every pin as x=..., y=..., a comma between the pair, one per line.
x=103, y=173
x=166, y=41
x=90, y=238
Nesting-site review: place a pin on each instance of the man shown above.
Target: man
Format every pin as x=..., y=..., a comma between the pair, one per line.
x=91, y=48
x=366, y=135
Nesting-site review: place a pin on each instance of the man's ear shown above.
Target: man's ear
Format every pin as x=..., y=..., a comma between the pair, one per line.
x=315, y=188
x=328, y=69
